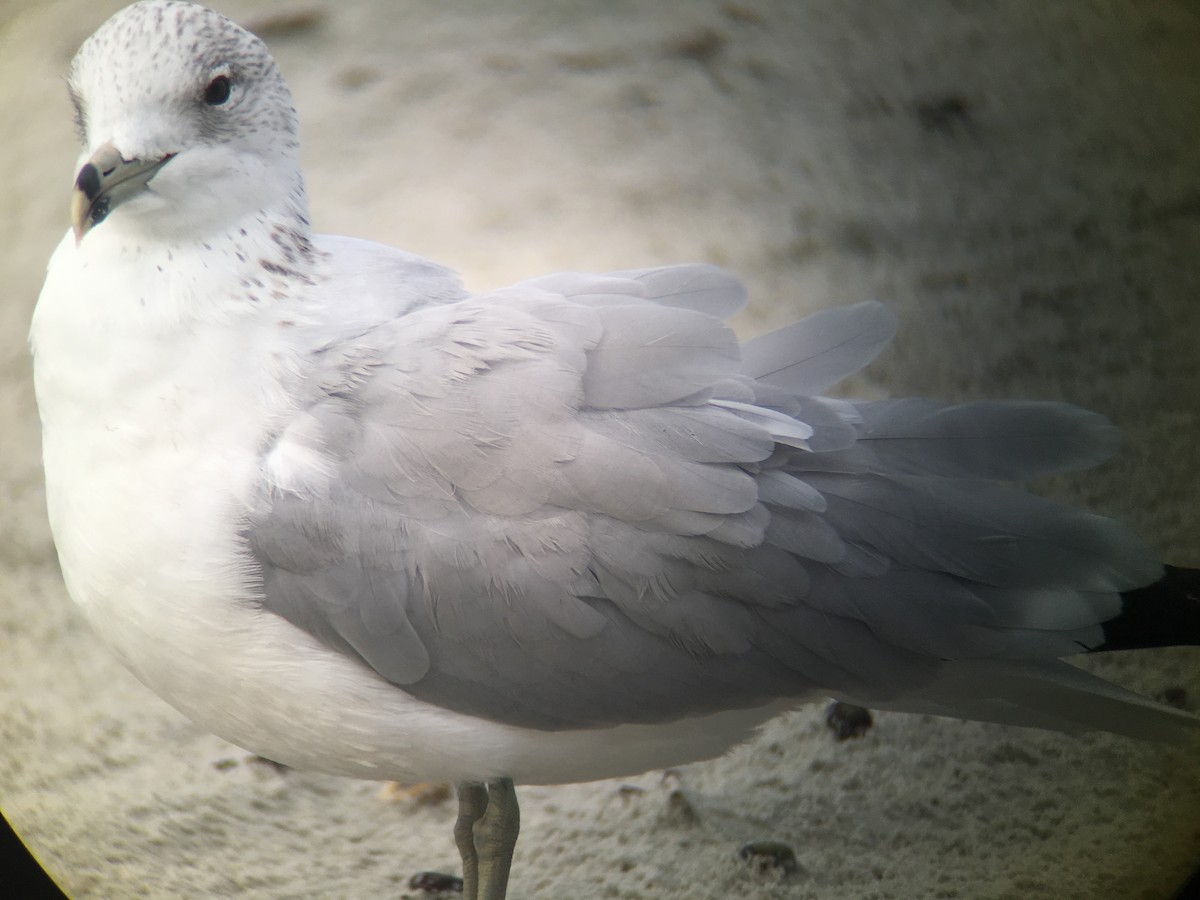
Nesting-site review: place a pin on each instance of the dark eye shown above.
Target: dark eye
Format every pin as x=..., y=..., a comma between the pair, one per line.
x=218, y=91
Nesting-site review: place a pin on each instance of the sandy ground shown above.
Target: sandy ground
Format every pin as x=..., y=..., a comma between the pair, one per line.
x=1020, y=180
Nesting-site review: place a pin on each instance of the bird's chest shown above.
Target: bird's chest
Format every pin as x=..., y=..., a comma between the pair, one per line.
x=150, y=449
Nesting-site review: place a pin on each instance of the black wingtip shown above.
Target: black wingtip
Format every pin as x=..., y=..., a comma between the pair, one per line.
x=1163, y=614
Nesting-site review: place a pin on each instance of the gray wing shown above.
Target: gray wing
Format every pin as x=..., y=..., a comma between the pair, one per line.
x=578, y=502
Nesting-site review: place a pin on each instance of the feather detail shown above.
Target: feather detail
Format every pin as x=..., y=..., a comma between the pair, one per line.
x=820, y=350
x=1004, y=440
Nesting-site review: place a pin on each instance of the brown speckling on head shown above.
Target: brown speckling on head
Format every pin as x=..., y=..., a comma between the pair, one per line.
x=187, y=44
x=143, y=85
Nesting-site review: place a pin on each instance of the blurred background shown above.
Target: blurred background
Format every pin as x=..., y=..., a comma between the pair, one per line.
x=1020, y=181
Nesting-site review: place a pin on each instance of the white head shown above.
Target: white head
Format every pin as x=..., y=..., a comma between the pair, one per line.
x=186, y=123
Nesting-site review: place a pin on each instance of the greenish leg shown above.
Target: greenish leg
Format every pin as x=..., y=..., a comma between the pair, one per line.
x=486, y=830
x=496, y=838
x=472, y=804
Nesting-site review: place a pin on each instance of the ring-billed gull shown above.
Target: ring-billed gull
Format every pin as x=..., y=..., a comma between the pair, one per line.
x=349, y=517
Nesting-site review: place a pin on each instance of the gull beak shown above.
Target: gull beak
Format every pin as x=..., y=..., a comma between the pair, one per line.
x=105, y=182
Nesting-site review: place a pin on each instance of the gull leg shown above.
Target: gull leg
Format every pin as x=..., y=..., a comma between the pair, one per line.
x=472, y=805
x=496, y=837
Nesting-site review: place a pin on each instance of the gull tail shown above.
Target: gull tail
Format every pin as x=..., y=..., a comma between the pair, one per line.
x=1057, y=696
x=1053, y=695
x=1163, y=614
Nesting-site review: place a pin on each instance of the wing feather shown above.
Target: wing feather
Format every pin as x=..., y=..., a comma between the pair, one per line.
x=577, y=502
x=820, y=350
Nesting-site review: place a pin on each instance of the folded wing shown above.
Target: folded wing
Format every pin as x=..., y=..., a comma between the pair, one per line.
x=577, y=502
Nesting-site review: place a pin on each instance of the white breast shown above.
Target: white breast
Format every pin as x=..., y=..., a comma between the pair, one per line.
x=154, y=425
x=151, y=425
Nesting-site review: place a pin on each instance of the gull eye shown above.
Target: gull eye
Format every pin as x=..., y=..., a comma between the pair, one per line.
x=218, y=91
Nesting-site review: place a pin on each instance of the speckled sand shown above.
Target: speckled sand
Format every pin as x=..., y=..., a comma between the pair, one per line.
x=1020, y=180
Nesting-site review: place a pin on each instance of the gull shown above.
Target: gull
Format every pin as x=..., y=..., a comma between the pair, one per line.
x=357, y=520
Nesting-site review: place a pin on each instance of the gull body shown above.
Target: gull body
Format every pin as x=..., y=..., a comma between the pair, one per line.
x=134, y=457
x=345, y=515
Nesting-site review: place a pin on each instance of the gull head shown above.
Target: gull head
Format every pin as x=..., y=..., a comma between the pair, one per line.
x=186, y=124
